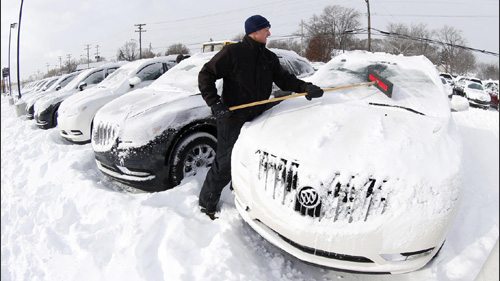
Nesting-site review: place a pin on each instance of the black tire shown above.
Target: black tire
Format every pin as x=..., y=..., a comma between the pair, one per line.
x=193, y=152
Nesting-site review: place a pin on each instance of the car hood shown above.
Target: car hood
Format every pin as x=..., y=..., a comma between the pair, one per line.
x=478, y=94
x=158, y=109
x=340, y=135
x=96, y=96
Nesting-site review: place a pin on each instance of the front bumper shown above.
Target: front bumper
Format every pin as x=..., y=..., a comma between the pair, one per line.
x=373, y=261
x=479, y=103
x=45, y=119
x=74, y=129
x=142, y=167
x=345, y=223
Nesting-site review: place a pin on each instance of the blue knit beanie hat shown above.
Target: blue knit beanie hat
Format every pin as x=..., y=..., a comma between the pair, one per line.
x=255, y=23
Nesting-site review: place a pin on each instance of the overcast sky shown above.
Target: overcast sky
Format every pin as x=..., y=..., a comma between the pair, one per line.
x=53, y=30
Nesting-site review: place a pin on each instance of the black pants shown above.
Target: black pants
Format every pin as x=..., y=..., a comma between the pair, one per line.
x=219, y=174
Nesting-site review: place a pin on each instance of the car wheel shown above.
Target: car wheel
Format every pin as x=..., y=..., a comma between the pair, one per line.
x=193, y=153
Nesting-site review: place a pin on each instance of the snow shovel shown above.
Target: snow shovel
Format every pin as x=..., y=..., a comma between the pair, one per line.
x=375, y=79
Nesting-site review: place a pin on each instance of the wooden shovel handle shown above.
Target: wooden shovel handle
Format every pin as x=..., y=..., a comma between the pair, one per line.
x=297, y=95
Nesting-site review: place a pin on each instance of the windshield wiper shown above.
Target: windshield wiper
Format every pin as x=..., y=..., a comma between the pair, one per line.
x=391, y=105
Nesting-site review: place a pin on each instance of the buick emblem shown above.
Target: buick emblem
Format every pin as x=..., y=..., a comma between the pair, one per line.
x=308, y=197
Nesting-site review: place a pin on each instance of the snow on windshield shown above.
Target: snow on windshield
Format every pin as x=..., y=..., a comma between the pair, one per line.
x=184, y=75
x=416, y=82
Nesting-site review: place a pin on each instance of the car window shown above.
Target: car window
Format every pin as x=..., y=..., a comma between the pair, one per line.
x=301, y=67
x=110, y=70
x=286, y=66
x=51, y=82
x=66, y=80
x=95, y=77
x=151, y=71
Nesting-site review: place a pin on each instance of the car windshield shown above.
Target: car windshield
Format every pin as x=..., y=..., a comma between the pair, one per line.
x=74, y=83
x=116, y=78
x=475, y=86
x=416, y=83
x=184, y=75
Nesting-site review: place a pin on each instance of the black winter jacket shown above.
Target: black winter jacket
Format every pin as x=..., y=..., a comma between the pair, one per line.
x=249, y=70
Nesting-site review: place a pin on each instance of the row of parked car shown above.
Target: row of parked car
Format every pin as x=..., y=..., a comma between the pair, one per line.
x=337, y=181
x=483, y=94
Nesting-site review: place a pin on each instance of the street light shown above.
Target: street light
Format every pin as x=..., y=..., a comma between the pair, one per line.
x=12, y=25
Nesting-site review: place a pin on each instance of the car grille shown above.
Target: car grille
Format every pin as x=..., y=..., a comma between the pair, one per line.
x=351, y=200
x=104, y=135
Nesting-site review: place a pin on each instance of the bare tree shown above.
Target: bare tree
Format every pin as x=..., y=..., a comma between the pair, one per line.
x=148, y=53
x=464, y=62
x=331, y=29
x=451, y=38
x=177, y=49
x=488, y=71
x=128, y=52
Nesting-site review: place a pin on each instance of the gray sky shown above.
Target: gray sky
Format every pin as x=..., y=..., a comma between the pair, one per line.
x=51, y=30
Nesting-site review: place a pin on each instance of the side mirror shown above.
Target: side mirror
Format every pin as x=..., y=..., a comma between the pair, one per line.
x=58, y=87
x=134, y=81
x=82, y=86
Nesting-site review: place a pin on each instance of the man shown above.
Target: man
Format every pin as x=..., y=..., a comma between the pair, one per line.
x=248, y=71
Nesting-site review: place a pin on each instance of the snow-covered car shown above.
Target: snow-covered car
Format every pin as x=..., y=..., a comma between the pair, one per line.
x=356, y=180
x=152, y=138
x=476, y=95
x=46, y=108
x=447, y=87
x=491, y=87
x=76, y=113
x=59, y=84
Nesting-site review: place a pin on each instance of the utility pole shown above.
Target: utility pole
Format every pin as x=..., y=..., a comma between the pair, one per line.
x=88, y=59
x=12, y=25
x=369, y=26
x=301, y=36
x=60, y=65
x=69, y=62
x=18, y=40
x=97, y=53
x=140, y=37
x=47, y=69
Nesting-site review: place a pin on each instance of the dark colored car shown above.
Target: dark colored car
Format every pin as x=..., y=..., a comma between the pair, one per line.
x=154, y=137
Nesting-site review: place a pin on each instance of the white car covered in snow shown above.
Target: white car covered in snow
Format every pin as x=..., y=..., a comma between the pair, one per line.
x=356, y=180
x=77, y=112
x=46, y=108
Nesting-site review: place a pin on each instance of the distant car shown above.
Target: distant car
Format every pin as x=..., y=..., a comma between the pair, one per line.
x=458, y=88
x=59, y=84
x=448, y=78
x=356, y=180
x=76, y=113
x=40, y=86
x=45, y=108
x=152, y=138
x=476, y=95
x=491, y=87
x=215, y=46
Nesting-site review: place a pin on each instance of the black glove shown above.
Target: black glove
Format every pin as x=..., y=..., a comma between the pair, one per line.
x=313, y=91
x=220, y=110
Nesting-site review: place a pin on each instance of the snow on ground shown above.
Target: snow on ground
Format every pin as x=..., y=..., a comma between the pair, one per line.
x=61, y=219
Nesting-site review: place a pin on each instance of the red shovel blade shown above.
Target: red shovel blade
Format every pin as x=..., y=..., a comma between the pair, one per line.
x=382, y=84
